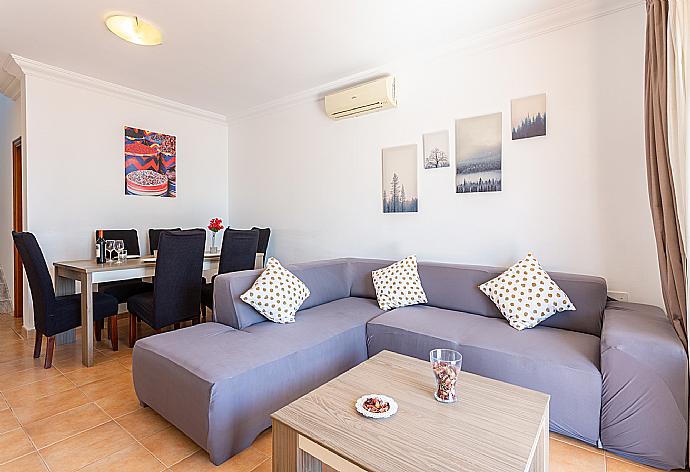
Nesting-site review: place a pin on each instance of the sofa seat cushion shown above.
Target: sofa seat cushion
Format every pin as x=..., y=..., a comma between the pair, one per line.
x=321, y=322
x=564, y=364
x=219, y=385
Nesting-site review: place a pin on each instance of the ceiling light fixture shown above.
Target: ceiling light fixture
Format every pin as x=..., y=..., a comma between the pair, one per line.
x=134, y=29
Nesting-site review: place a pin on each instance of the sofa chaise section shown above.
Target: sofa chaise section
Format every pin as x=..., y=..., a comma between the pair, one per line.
x=564, y=364
x=644, y=413
x=219, y=385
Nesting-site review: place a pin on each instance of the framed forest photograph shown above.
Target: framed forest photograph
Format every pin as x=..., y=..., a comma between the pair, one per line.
x=399, y=180
x=528, y=116
x=478, y=154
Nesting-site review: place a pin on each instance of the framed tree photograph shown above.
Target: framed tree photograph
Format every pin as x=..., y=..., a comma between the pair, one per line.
x=528, y=116
x=399, y=183
x=436, y=150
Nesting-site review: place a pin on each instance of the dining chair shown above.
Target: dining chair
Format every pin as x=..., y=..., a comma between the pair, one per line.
x=238, y=252
x=128, y=236
x=176, y=294
x=154, y=236
x=54, y=315
x=122, y=289
x=264, y=235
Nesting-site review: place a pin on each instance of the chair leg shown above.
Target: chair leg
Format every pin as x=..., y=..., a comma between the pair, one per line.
x=203, y=313
x=37, y=345
x=112, y=329
x=176, y=326
x=98, y=329
x=195, y=320
x=132, y=329
x=50, y=347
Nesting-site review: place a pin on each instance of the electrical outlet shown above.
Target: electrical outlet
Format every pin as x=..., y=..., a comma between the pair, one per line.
x=619, y=296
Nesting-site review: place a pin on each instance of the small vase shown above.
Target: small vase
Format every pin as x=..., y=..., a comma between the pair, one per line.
x=214, y=248
x=446, y=364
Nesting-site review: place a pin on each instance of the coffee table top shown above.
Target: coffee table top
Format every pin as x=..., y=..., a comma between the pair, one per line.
x=493, y=426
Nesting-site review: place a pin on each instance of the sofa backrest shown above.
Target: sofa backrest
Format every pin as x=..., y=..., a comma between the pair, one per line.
x=455, y=287
x=327, y=281
x=449, y=286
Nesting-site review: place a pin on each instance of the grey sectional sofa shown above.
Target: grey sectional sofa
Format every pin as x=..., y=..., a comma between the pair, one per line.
x=616, y=372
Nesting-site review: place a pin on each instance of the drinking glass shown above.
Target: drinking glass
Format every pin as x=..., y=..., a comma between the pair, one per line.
x=119, y=247
x=446, y=364
x=109, y=246
x=123, y=255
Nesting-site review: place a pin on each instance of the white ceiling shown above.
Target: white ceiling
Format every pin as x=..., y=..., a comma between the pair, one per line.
x=228, y=56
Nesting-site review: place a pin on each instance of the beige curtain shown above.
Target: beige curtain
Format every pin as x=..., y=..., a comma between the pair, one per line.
x=678, y=49
x=662, y=198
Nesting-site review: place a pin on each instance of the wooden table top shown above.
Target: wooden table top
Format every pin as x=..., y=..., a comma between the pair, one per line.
x=91, y=266
x=493, y=427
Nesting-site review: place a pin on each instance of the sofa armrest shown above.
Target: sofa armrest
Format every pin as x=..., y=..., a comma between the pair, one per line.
x=228, y=309
x=644, y=411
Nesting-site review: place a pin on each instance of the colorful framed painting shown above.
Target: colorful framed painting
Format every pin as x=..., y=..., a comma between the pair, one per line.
x=150, y=163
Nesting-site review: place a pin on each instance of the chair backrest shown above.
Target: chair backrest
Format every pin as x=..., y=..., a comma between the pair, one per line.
x=264, y=235
x=42, y=291
x=154, y=236
x=177, y=285
x=239, y=250
x=129, y=236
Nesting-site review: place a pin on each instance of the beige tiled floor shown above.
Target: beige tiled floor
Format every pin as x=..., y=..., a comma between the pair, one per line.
x=71, y=418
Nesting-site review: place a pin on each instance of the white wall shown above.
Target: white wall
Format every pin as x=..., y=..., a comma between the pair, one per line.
x=577, y=198
x=10, y=129
x=75, y=168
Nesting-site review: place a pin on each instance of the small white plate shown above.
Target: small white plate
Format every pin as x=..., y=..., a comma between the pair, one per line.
x=148, y=259
x=391, y=411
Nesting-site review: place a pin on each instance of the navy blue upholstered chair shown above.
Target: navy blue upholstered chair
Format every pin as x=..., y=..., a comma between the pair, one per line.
x=176, y=294
x=238, y=252
x=123, y=289
x=54, y=315
x=264, y=235
x=154, y=237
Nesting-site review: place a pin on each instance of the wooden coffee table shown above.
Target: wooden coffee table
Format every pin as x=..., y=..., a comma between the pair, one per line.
x=493, y=427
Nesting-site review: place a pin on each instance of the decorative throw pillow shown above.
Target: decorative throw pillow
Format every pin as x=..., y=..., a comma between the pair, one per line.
x=277, y=294
x=526, y=295
x=398, y=284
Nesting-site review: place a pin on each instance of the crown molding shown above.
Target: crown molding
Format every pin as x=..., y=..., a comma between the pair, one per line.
x=29, y=67
x=10, y=82
x=564, y=16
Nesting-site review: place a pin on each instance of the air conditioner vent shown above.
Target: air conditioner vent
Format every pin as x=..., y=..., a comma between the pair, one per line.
x=371, y=96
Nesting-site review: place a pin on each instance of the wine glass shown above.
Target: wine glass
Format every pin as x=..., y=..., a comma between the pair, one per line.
x=109, y=246
x=119, y=247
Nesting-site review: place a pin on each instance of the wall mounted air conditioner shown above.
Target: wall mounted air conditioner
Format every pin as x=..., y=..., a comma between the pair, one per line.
x=369, y=97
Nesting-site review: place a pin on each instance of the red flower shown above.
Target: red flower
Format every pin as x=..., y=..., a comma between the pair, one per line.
x=215, y=225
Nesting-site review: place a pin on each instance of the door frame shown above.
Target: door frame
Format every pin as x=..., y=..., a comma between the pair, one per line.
x=18, y=223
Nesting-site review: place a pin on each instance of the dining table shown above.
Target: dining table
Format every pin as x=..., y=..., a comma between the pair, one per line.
x=89, y=274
